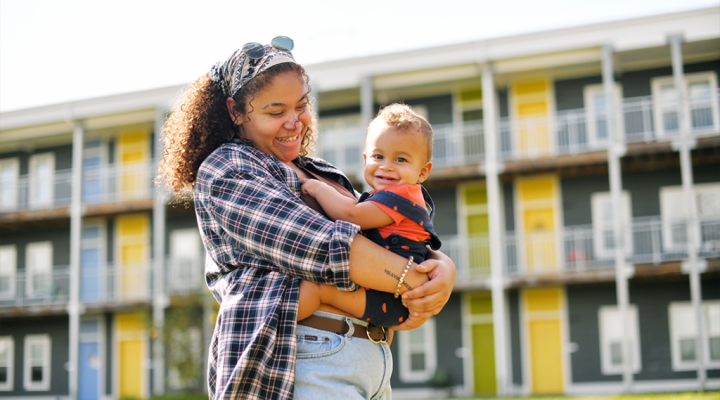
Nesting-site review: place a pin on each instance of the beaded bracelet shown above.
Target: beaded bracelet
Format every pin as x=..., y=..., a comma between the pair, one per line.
x=402, y=277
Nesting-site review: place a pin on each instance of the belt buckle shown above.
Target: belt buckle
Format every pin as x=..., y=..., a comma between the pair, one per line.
x=383, y=340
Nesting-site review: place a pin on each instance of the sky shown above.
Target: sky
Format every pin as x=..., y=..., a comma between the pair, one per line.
x=55, y=51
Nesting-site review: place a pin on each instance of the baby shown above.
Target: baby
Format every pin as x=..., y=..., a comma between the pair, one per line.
x=397, y=159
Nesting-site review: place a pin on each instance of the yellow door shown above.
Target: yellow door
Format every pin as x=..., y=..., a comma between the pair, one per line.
x=133, y=250
x=543, y=309
x=537, y=201
x=133, y=158
x=546, y=357
x=130, y=379
x=477, y=225
x=531, y=106
x=131, y=353
x=483, y=343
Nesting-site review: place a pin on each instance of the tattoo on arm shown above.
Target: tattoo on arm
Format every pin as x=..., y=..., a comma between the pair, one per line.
x=398, y=278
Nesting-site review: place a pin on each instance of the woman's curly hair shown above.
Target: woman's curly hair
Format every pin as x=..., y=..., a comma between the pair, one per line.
x=199, y=123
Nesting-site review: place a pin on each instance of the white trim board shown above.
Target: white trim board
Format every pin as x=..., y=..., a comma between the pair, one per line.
x=664, y=385
x=420, y=393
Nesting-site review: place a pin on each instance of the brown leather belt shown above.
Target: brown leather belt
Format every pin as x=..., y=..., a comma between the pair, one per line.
x=376, y=334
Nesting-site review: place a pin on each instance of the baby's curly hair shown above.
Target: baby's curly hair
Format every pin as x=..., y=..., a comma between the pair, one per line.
x=199, y=123
x=402, y=117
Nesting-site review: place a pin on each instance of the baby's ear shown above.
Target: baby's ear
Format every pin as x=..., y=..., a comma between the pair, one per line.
x=364, y=158
x=425, y=171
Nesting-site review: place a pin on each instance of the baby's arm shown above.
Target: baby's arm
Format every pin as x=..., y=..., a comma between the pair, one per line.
x=340, y=207
x=313, y=294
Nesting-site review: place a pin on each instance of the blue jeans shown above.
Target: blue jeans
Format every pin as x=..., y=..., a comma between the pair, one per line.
x=333, y=366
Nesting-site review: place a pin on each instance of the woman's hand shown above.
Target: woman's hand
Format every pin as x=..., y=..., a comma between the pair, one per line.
x=429, y=298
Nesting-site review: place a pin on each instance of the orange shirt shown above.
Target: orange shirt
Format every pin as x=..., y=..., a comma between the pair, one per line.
x=403, y=226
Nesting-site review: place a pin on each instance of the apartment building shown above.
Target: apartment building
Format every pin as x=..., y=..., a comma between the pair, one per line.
x=577, y=188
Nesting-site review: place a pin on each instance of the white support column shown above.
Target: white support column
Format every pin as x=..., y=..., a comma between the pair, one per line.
x=160, y=300
x=367, y=113
x=616, y=149
x=492, y=171
x=684, y=145
x=74, y=307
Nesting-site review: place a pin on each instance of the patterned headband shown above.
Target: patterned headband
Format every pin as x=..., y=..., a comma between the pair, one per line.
x=232, y=74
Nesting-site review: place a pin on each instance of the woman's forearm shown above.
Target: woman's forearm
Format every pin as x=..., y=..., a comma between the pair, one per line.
x=374, y=267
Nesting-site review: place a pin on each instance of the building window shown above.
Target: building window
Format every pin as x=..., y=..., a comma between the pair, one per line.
x=42, y=173
x=93, y=277
x=187, y=264
x=8, y=269
x=603, y=228
x=9, y=179
x=7, y=362
x=700, y=108
x=37, y=362
x=611, y=336
x=683, y=335
x=596, y=113
x=342, y=141
x=675, y=213
x=38, y=269
x=95, y=177
x=418, y=353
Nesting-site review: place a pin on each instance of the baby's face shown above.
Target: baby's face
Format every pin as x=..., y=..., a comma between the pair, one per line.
x=394, y=157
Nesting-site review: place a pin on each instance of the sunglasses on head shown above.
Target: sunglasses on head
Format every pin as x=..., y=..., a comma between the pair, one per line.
x=256, y=50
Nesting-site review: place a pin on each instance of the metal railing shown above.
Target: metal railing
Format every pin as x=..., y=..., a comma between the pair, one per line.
x=34, y=193
x=471, y=255
x=453, y=145
x=37, y=289
x=649, y=240
x=184, y=276
x=102, y=284
x=110, y=283
x=457, y=145
x=111, y=183
x=118, y=182
x=575, y=131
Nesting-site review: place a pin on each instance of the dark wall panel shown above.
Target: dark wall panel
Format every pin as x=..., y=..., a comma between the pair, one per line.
x=60, y=238
x=439, y=108
x=54, y=326
x=515, y=341
x=509, y=205
x=583, y=304
x=445, y=220
x=503, y=102
x=448, y=337
x=340, y=111
x=643, y=186
x=638, y=83
x=569, y=94
x=652, y=300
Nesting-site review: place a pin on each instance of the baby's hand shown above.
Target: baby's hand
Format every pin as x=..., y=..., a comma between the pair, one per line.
x=310, y=186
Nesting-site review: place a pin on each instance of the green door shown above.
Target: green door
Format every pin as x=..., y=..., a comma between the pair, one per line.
x=483, y=343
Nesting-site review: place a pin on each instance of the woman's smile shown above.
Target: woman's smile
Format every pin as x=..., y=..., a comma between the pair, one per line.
x=278, y=116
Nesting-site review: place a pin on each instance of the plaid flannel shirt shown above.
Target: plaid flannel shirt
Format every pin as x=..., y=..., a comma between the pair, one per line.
x=261, y=240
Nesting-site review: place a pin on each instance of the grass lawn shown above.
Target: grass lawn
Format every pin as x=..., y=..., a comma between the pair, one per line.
x=647, y=396
x=713, y=395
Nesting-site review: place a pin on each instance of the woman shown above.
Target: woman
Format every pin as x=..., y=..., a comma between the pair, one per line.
x=240, y=138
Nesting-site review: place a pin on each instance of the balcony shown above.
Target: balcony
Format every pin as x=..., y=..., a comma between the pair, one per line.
x=101, y=285
x=641, y=119
x=39, y=289
x=34, y=192
x=470, y=255
x=184, y=276
x=568, y=132
x=651, y=240
x=118, y=182
x=108, y=184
